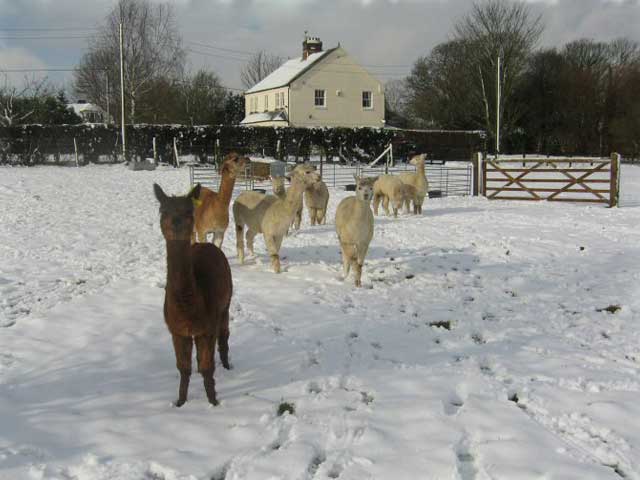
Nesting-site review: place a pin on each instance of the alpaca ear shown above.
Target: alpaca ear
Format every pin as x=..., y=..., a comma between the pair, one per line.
x=160, y=195
x=194, y=194
x=356, y=178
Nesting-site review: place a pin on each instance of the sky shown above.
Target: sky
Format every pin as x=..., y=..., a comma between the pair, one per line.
x=385, y=35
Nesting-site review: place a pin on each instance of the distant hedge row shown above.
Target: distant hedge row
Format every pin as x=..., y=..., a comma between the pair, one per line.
x=36, y=144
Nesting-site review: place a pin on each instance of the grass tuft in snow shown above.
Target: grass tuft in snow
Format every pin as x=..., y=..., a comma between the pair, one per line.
x=612, y=309
x=286, y=407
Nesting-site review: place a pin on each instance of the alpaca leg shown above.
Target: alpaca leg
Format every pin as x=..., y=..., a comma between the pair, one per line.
x=313, y=215
x=251, y=235
x=358, y=263
x=223, y=339
x=376, y=202
x=274, y=250
x=357, y=268
x=298, y=219
x=396, y=206
x=218, y=237
x=205, y=348
x=385, y=205
x=183, y=346
x=240, y=243
x=348, y=254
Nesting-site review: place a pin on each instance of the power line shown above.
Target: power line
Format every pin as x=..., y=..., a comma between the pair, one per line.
x=206, y=45
x=46, y=29
x=47, y=37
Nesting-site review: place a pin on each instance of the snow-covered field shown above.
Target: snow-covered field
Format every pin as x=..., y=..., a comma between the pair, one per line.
x=527, y=376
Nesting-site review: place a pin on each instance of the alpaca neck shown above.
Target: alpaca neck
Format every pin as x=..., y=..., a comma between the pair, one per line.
x=226, y=187
x=420, y=169
x=292, y=200
x=180, y=279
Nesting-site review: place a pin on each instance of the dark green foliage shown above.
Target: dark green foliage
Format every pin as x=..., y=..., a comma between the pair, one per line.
x=29, y=144
x=286, y=407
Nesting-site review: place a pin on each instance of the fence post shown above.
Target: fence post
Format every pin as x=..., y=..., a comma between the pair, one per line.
x=614, y=193
x=483, y=168
x=175, y=151
x=155, y=151
x=75, y=146
x=476, y=162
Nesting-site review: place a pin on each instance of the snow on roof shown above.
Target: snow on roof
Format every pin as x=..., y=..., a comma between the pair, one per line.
x=273, y=116
x=287, y=72
x=83, y=107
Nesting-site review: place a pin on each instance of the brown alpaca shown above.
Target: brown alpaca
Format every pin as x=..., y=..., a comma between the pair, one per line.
x=197, y=295
x=212, y=214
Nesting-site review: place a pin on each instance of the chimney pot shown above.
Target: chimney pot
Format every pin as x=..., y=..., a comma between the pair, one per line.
x=310, y=45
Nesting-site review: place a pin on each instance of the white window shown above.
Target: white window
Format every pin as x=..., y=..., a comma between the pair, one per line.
x=282, y=99
x=266, y=103
x=320, y=99
x=367, y=100
x=277, y=100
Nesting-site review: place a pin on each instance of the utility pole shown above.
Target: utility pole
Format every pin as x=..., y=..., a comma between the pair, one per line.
x=498, y=109
x=124, y=141
x=106, y=73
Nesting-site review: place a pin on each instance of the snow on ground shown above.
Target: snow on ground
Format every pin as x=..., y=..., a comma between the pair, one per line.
x=480, y=347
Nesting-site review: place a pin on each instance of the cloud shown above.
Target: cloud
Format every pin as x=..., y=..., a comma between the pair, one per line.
x=17, y=58
x=376, y=32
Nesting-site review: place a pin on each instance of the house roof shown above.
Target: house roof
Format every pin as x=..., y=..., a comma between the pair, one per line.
x=272, y=116
x=84, y=107
x=288, y=72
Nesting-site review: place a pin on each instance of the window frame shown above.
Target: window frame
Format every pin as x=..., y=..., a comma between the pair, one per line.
x=370, y=107
x=324, y=98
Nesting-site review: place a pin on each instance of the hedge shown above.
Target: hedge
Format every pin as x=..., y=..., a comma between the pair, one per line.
x=34, y=144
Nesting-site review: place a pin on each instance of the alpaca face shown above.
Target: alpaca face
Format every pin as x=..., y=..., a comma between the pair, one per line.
x=418, y=160
x=176, y=213
x=364, y=188
x=278, y=185
x=307, y=174
x=234, y=164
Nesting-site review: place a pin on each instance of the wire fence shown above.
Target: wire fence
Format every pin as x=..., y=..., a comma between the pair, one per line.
x=445, y=180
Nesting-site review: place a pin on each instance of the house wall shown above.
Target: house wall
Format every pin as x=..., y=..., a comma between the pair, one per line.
x=338, y=72
x=271, y=94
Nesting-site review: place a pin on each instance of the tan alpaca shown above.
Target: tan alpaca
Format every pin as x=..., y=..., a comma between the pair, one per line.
x=277, y=185
x=316, y=198
x=269, y=215
x=301, y=170
x=354, y=225
x=388, y=189
x=419, y=181
x=212, y=214
x=407, y=194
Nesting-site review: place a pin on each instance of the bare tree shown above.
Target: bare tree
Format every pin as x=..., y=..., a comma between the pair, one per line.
x=498, y=28
x=258, y=67
x=13, y=107
x=152, y=50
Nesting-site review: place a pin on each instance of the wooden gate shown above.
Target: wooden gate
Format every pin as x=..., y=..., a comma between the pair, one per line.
x=591, y=180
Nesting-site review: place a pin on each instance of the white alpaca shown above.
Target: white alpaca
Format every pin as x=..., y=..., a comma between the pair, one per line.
x=269, y=215
x=354, y=225
x=388, y=188
x=419, y=181
x=317, y=198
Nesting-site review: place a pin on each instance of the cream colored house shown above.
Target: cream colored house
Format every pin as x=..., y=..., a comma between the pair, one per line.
x=323, y=88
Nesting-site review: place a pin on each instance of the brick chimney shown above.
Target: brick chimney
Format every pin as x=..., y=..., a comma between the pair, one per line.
x=310, y=45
